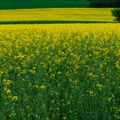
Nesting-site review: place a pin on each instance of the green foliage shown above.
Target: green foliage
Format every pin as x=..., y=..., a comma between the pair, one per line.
x=105, y=3
x=116, y=14
x=16, y=4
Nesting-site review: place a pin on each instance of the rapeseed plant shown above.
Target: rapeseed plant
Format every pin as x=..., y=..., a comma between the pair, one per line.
x=71, y=73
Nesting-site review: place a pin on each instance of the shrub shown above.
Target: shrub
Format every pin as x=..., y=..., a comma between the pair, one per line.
x=116, y=14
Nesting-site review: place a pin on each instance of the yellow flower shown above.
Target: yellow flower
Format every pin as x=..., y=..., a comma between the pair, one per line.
x=91, y=93
x=7, y=82
x=99, y=86
x=15, y=98
x=20, y=56
x=52, y=76
x=7, y=91
x=35, y=86
x=1, y=72
x=43, y=87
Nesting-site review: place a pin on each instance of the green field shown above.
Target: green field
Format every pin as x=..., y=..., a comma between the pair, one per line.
x=54, y=15
x=15, y=4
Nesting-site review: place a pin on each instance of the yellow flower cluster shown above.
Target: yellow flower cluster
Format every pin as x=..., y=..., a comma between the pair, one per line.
x=60, y=72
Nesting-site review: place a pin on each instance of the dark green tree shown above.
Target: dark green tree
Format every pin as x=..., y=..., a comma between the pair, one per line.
x=105, y=3
x=116, y=14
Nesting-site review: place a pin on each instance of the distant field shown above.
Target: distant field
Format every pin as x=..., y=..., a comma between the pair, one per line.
x=13, y=4
x=57, y=14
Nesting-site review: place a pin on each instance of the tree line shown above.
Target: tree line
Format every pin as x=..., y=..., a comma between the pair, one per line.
x=105, y=3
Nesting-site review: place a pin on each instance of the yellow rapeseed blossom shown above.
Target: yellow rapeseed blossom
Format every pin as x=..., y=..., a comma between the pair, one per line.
x=7, y=90
x=7, y=82
x=99, y=86
x=43, y=87
x=15, y=98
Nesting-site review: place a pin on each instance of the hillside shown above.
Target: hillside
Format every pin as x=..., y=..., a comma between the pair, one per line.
x=16, y=4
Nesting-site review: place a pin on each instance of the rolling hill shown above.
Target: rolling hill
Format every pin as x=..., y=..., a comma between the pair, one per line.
x=17, y=4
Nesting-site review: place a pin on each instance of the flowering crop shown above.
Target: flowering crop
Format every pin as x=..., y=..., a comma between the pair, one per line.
x=57, y=14
x=61, y=72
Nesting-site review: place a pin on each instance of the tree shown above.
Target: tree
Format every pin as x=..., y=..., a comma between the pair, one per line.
x=105, y=3
x=116, y=14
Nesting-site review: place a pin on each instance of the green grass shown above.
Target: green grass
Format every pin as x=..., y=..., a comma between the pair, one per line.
x=57, y=14
x=11, y=4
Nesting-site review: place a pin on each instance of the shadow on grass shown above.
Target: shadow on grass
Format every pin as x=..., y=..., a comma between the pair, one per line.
x=52, y=22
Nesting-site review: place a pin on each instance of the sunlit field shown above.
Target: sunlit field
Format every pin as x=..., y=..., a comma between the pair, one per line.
x=60, y=72
x=57, y=14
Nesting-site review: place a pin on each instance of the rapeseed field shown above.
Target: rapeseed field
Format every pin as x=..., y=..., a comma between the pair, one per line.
x=60, y=72
x=57, y=14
